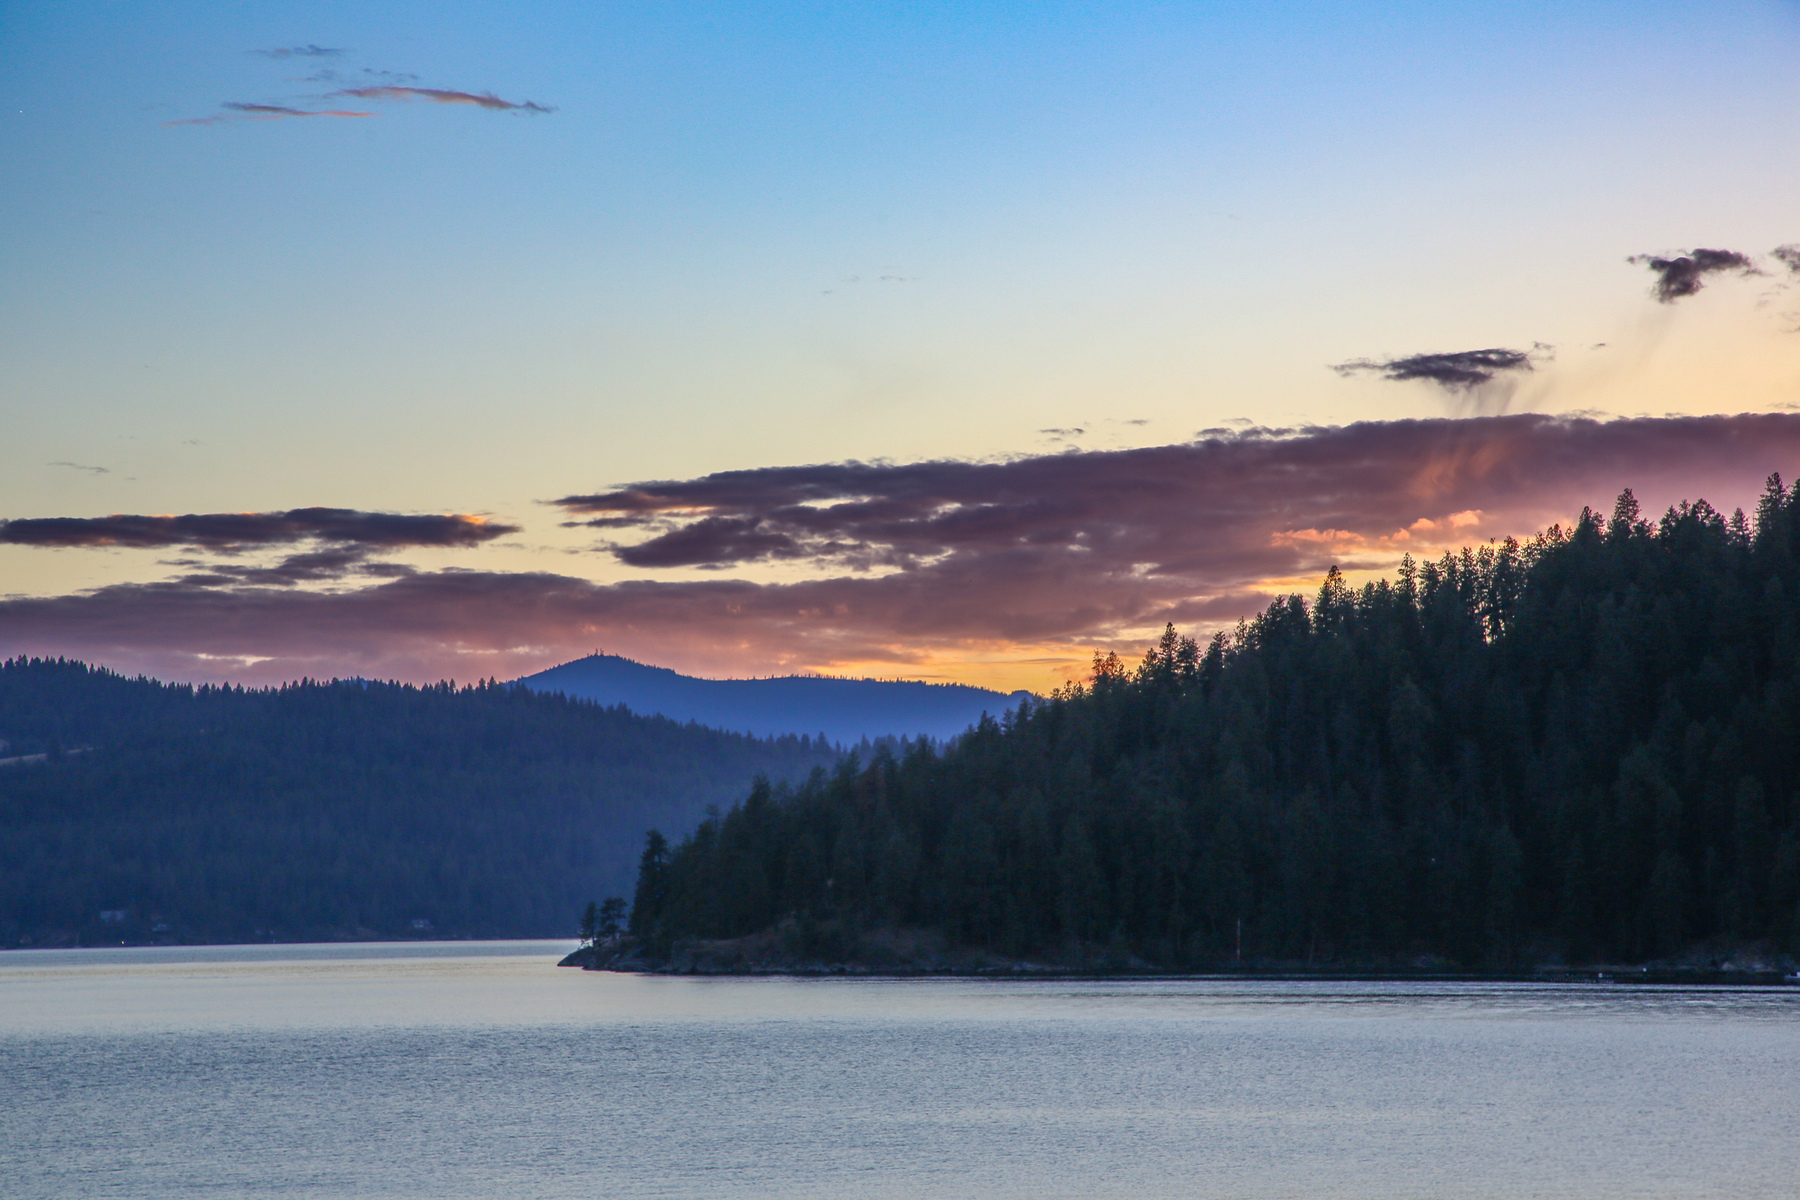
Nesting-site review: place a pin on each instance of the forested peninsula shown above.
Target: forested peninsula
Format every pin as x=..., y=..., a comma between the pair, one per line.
x=145, y=812
x=1578, y=749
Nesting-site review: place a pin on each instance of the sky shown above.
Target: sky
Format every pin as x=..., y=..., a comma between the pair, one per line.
x=950, y=342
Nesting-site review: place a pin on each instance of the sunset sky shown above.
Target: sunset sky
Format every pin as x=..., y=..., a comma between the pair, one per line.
x=931, y=341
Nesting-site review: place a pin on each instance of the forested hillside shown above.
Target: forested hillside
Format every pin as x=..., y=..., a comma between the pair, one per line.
x=328, y=810
x=1582, y=748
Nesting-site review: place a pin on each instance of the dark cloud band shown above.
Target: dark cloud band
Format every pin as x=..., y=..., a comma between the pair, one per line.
x=1202, y=510
x=901, y=562
x=247, y=531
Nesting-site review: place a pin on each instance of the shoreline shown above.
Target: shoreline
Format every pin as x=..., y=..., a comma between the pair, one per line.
x=728, y=960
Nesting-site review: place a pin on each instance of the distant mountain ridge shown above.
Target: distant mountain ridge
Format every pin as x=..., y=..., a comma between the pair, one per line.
x=137, y=811
x=845, y=710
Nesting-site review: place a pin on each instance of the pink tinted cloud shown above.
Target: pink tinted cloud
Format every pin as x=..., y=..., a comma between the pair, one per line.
x=934, y=560
x=265, y=112
x=1221, y=511
x=444, y=96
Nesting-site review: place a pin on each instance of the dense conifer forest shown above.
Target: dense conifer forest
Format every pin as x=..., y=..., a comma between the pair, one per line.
x=132, y=810
x=1580, y=749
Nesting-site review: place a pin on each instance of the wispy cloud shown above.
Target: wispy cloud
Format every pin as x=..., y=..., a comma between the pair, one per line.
x=308, y=51
x=314, y=566
x=443, y=96
x=1684, y=274
x=265, y=112
x=75, y=466
x=381, y=85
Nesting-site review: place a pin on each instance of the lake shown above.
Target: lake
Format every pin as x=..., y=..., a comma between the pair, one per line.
x=481, y=1070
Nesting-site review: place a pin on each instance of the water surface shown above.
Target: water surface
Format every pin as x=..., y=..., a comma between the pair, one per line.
x=481, y=1070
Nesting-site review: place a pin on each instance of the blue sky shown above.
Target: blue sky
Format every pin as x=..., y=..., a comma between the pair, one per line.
x=817, y=233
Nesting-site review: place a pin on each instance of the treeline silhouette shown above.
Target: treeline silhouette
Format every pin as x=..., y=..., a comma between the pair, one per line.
x=1581, y=748
x=132, y=810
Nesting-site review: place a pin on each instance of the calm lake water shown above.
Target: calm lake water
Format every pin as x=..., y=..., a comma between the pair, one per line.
x=481, y=1070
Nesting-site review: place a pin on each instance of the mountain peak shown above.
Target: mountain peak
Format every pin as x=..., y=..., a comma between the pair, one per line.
x=845, y=710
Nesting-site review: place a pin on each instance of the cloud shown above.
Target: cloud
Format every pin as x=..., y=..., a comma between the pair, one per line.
x=443, y=96
x=941, y=561
x=317, y=566
x=235, y=532
x=278, y=111
x=714, y=542
x=265, y=112
x=308, y=51
x=327, y=75
x=393, y=89
x=1682, y=275
x=269, y=110
x=75, y=466
x=1788, y=256
x=1200, y=512
x=1457, y=371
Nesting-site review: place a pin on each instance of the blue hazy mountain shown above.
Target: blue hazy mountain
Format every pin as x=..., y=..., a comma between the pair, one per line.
x=845, y=710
